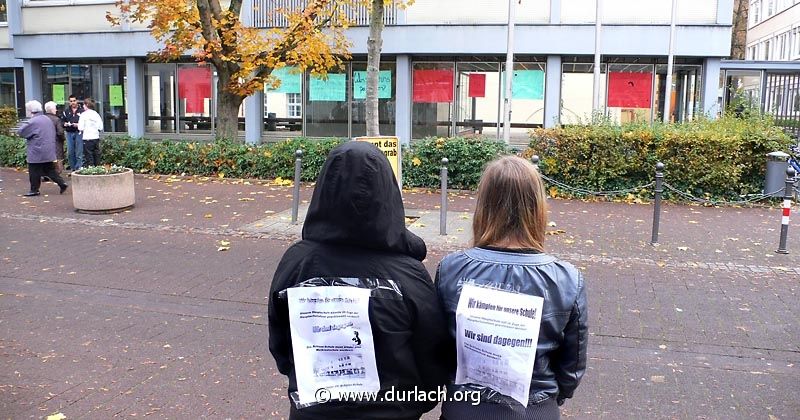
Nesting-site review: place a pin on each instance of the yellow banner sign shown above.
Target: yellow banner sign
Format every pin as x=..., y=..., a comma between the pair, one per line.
x=390, y=146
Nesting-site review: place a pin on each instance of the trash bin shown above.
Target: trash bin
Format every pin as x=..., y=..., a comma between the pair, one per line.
x=272, y=123
x=775, y=180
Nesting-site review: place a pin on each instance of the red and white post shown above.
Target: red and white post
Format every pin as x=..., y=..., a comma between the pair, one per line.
x=787, y=209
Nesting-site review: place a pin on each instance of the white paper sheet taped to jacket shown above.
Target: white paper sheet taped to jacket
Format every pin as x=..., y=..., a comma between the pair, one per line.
x=332, y=341
x=496, y=337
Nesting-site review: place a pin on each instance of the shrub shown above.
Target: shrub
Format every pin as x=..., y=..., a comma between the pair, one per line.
x=221, y=157
x=466, y=156
x=723, y=158
x=12, y=151
x=8, y=119
x=101, y=170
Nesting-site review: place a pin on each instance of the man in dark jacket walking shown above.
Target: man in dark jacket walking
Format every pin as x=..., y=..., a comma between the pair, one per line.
x=72, y=113
x=40, y=134
x=355, y=241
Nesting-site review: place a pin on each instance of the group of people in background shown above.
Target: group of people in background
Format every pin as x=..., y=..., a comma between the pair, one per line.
x=46, y=133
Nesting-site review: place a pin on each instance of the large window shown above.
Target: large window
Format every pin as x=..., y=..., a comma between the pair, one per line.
x=433, y=89
x=478, y=101
x=283, y=105
x=160, y=98
x=685, y=92
x=527, y=95
x=194, y=96
x=630, y=92
x=105, y=83
x=8, y=95
x=386, y=99
x=327, y=111
x=112, y=103
x=742, y=89
x=179, y=98
x=577, y=84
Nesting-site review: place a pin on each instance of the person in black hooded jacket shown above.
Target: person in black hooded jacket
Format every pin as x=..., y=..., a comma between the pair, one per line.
x=355, y=228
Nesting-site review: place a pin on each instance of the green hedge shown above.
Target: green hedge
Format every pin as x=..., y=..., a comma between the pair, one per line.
x=722, y=158
x=224, y=158
x=466, y=156
x=12, y=151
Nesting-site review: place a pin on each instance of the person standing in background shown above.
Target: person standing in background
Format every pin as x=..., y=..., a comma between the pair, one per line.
x=40, y=136
x=74, y=143
x=90, y=125
x=50, y=110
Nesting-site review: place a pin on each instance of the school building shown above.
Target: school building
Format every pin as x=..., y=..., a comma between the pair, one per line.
x=442, y=71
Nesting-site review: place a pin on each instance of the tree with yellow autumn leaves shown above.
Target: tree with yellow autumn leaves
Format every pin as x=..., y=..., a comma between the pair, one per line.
x=244, y=57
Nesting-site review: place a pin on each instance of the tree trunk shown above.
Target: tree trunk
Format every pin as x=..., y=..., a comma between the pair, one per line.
x=227, y=108
x=739, y=32
x=374, y=44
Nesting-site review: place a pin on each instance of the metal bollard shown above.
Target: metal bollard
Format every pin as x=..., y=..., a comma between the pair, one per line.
x=535, y=161
x=298, y=164
x=657, y=202
x=443, y=207
x=787, y=208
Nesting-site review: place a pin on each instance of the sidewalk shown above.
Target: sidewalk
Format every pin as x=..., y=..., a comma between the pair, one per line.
x=141, y=314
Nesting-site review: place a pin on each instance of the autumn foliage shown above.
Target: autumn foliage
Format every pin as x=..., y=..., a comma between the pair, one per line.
x=212, y=32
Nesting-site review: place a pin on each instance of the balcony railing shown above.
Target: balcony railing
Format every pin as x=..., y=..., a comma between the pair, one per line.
x=266, y=13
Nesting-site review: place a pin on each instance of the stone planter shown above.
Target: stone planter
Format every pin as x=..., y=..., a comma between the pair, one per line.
x=103, y=193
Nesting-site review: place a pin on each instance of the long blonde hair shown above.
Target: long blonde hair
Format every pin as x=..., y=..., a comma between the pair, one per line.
x=511, y=205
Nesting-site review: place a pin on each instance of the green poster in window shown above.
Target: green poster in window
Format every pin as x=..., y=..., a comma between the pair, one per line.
x=290, y=81
x=115, y=95
x=333, y=89
x=58, y=94
x=526, y=84
x=384, y=84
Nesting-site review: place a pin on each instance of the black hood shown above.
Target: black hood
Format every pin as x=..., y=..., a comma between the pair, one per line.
x=357, y=202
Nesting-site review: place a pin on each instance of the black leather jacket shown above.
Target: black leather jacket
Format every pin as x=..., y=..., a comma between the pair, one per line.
x=563, y=334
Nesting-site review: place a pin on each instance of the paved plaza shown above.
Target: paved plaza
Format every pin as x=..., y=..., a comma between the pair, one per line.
x=160, y=312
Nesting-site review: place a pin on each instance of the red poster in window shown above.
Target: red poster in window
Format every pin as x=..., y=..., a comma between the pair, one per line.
x=433, y=85
x=194, y=85
x=477, y=85
x=629, y=89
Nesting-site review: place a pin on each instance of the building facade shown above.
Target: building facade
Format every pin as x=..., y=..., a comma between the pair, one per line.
x=773, y=30
x=771, y=82
x=443, y=67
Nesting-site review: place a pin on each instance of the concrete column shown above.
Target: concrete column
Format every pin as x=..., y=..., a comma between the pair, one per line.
x=552, y=89
x=14, y=17
x=134, y=70
x=254, y=117
x=555, y=12
x=403, y=100
x=711, y=69
x=32, y=70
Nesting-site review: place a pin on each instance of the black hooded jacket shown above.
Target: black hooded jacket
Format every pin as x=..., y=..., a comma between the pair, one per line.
x=355, y=227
